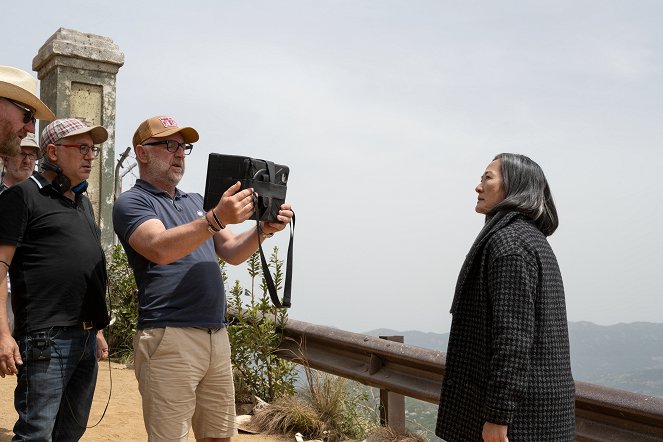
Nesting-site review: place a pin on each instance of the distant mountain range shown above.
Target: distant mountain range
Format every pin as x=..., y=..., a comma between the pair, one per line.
x=625, y=356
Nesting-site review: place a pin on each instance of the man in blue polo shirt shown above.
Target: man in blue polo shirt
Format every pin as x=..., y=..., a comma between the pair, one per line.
x=181, y=348
x=51, y=244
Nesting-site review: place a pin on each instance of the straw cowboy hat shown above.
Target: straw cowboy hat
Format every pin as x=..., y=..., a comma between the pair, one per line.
x=20, y=86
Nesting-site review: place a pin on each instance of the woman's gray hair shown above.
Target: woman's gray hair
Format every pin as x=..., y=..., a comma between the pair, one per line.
x=527, y=191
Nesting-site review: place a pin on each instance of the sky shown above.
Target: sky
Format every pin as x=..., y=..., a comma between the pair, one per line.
x=387, y=113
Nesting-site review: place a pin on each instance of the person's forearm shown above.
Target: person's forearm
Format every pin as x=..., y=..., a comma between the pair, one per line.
x=6, y=256
x=164, y=246
x=10, y=357
x=4, y=319
x=238, y=248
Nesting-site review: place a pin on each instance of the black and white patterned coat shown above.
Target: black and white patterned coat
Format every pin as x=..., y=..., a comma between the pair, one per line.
x=508, y=357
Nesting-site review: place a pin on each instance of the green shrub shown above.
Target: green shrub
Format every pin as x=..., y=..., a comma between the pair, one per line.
x=254, y=333
x=123, y=307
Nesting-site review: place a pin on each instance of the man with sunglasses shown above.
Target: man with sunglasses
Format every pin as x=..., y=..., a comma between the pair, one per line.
x=181, y=348
x=51, y=244
x=19, y=108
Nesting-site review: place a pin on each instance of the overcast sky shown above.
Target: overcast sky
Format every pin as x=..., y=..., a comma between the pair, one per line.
x=387, y=113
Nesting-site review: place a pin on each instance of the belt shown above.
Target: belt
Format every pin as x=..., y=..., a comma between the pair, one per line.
x=83, y=325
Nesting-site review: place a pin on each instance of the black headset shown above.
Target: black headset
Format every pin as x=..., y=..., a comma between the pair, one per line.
x=61, y=183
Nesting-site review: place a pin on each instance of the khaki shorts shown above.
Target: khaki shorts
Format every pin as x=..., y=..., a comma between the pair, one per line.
x=185, y=380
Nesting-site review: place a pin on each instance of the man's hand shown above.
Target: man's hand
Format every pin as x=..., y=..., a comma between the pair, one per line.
x=284, y=217
x=10, y=356
x=235, y=206
x=102, y=346
x=494, y=432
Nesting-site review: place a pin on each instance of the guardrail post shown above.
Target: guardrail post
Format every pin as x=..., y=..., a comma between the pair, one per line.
x=392, y=405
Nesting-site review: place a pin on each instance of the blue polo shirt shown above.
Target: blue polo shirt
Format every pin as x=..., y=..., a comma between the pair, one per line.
x=185, y=293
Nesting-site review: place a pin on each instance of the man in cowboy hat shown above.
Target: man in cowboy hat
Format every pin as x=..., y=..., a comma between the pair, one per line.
x=19, y=108
x=51, y=244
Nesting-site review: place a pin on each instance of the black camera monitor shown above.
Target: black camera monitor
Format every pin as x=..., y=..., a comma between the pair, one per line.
x=268, y=180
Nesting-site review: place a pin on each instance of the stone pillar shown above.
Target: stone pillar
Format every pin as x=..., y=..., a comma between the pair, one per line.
x=77, y=73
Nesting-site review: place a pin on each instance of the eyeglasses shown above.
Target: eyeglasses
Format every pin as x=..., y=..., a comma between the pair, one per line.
x=172, y=146
x=84, y=148
x=28, y=156
x=29, y=114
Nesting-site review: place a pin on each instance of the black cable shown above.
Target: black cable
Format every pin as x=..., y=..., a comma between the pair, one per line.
x=110, y=375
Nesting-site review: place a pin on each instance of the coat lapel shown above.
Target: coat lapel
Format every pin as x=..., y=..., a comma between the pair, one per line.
x=495, y=223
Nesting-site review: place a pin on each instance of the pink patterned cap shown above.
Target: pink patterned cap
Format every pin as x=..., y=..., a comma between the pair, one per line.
x=67, y=127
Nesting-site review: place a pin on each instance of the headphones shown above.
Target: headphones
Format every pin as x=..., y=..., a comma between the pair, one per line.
x=61, y=183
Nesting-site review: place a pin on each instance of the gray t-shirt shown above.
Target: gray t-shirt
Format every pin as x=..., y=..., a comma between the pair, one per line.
x=185, y=293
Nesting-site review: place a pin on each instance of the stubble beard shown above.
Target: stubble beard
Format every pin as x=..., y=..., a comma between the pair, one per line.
x=17, y=175
x=156, y=167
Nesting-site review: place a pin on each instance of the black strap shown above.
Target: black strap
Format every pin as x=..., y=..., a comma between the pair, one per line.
x=274, y=191
x=271, y=287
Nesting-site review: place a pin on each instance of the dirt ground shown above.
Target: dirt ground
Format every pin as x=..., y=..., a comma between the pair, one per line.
x=124, y=418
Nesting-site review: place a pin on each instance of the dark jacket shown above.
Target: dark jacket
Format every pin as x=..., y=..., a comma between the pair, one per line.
x=508, y=357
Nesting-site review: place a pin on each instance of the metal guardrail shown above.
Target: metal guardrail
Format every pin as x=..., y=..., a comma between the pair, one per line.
x=602, y=414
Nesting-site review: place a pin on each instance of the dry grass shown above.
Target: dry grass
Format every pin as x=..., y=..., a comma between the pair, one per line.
x=341, y=408
x=327, y=394
x=288, y=415
x=328, y=410
x=385, y=434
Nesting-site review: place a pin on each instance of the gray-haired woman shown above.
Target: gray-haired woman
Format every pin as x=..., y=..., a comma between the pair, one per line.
x=508, y=370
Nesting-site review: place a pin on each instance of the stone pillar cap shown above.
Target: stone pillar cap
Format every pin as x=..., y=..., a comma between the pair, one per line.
x=68, y=47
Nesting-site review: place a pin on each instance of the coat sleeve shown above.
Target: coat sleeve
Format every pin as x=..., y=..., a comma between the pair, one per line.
x=512, y=283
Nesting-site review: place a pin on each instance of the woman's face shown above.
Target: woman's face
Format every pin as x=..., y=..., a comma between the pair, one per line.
x=491, y=188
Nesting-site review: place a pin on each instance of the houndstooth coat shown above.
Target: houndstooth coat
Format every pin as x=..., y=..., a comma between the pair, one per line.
x=508, y=357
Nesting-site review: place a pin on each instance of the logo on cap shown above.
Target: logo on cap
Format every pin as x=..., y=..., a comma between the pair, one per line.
x=168, y=122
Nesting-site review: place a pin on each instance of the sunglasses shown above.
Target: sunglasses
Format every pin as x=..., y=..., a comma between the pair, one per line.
x=28, y=115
